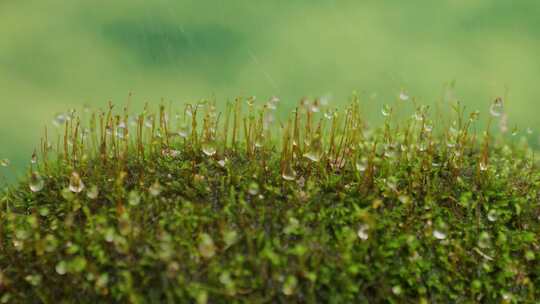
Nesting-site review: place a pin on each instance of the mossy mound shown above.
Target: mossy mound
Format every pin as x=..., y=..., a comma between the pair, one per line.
x=397, y=214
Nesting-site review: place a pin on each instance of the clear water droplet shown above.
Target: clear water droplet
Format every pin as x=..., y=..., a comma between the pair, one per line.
x=209, y=148
x=403, y=96
x=483, y=166
x=288, y=174
x=4, y=162
x=36, y=182
x=155, y=189
x=484, y=240
x=207, y=248
x=61, y=268
x=315, y=150
x=496, y=108
x=253, y=188
x=386, y=110
x=530, y=131
x=222, y=162
x=183, y=130
x=492, y=215
x=361, y=167
x=60, y=119
x=397, y=290
x=439, y=234
x=76, y=185
x=93, y=192
x=134, y=198
x=34, y=158
x=363, y=232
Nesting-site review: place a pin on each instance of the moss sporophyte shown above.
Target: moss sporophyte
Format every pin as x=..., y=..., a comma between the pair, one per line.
x=193, y=205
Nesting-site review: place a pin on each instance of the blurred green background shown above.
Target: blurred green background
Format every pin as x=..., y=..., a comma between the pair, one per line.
x=56, y=55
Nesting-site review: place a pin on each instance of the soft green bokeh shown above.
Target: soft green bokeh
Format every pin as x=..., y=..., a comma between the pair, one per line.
x=56, y=55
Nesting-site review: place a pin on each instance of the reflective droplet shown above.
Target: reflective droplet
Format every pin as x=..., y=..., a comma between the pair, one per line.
x=34, y=158
x=60, y=119
x=253, y=188
x=222, y=162
x=36, y=182
x=290, y=285
x=492, y=215
x=4, y=162
x=530, y=131
x=134, y=198
x=363, y=232
x=288, y=174
x=92, y=192
x=397, y=290
x=76, y=185
x=207, y=249
x=386, y=110
x=183, y=131
x=61, y=268
x=438, y=234
x=155, y=189
x=496, y=108
x=403, y=96
x=209, y=148
x=483, y=166
x=484, y=240
x=361, y=167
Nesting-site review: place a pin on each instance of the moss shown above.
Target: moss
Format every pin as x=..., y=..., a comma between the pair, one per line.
x=209, y=208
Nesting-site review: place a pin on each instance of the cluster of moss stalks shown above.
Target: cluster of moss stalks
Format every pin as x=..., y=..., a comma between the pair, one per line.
x=236, y=207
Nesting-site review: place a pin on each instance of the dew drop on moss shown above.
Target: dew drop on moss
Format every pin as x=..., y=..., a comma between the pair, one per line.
x=76, y=185
x=253, y=188
x=363, y=232
x=93, y=192
x=36, y=182
x=4, y=162
x=496, y=108
x=403, y=96
x=439, y=234
x=386, y=110
x=61, y=268
x=289, y=174
x=134, y=198
x=155, y=189
x=492, y=215
x=207, y=249
x=209, y=148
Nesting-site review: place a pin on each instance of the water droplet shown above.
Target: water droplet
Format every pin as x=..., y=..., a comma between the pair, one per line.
x=492, y=215
x=149, y=121
x=330, y=114
x=61, y=268
x=363, y=232
x=134, y=198
x=483, y=166
x=386, y=110
x=60, y=119
x=438, y=234
x=36, y=182
x=253, y=188
x=34, y=158
x=209, y=148
x=397, y=290
x=361, y=167
x=403, y=96
x=155, y=189
x=222, y=163
x=288, y=174
x=183, y=130
x=207, y=249
x=484, y=240
x=4, y=162
x=314, y=152
x=76, y=185
x=290, y=285
x=496, y=108
x=530, y=131
x=121, y=130
x=92, y=192
x=315, y=106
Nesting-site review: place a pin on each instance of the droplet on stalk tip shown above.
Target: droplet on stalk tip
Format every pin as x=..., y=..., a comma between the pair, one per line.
x=289, y=174
x=403, y=96
x=209, y=148
x=496, y=108
x=155, y=189
x=4, y=162
x=92, y=192
x=76, y=185
x=386, y=110
x=36, y=182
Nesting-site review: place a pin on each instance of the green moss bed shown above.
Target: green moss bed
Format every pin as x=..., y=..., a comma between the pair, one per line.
x=204, y=207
